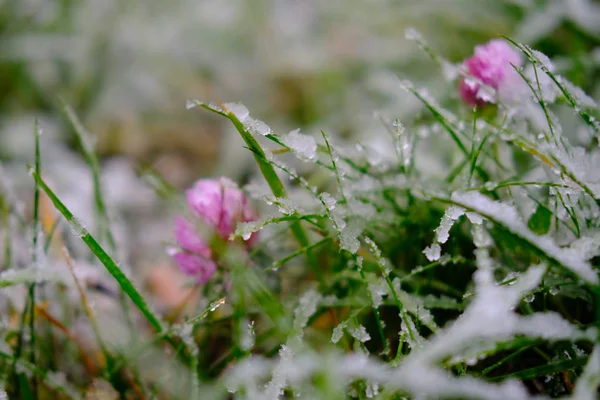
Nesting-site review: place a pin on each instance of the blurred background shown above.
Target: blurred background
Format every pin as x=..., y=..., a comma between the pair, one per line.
x=127, y=68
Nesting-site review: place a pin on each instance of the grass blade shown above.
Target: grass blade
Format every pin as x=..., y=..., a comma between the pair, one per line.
x=105, y=259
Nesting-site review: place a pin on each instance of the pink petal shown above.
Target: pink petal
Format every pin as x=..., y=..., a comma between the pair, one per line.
x=201, y=268
x=188, y=239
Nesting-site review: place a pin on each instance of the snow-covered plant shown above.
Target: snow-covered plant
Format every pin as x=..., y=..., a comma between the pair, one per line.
x=529, y=190
x=453, y=254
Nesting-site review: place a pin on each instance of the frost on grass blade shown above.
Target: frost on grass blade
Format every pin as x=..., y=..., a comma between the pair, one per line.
x=285, y=205
x=360, y=333
x=338, y=332
x=508, y=217
x=452, y=214
x=254, y=126
x=349, y=234
x=328, y=200
x=442, y=232
x=433, y=252
x=587, y=384
x=304, y=146
x=189, y=104
x=30, y=275
x=575, y=96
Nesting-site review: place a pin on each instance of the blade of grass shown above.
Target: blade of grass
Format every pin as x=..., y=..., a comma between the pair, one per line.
x=295, y=254
x=102, y=220
x=570, y=99
x=30, y=303
x=106, y=260
x=546, y=369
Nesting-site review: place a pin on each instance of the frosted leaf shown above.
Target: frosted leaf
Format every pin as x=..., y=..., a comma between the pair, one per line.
x=529, y=298
x=12, y=276
x=216, y=304
x=328, y=200
x=256, y=126
x=253, y=126
x=411, y=33
x=337, y=217
x=350, y=233
x=481, y=237
x=433, y=252
x=360, y=333
x=304, y=146
x=186, y=334
x=285, y=205
x=474, y=218
x=371, y=390
x=246, y=229
x=412, y=336
x=189, y=104
x=3, y=395
x=361, y=209
x=580, y=97
x=442, y=302
x=374, y=248
x=416, y=307
x=378, y=291
x=507, y=216
x=542, y=59
x=38, y=255
x=450, y=216
x=248, y=335
x=551, y=326
x=77, y=227
x=587, y=384
x=306, y=308
x=338, y=332
x=239, y=110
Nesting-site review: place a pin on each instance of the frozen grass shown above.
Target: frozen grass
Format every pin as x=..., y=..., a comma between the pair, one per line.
x=458, y=260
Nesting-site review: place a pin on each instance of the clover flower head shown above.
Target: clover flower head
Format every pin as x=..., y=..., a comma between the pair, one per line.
x=492, y=65
x=219, y=204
